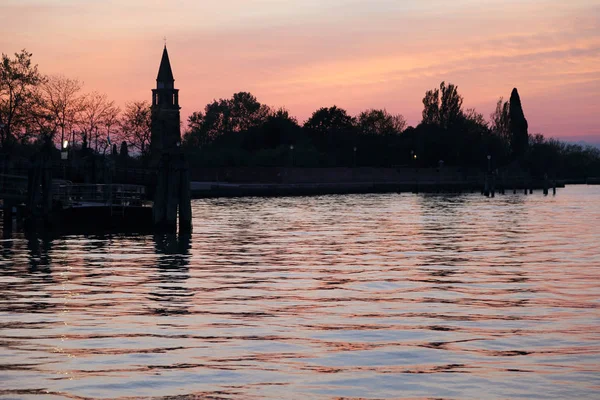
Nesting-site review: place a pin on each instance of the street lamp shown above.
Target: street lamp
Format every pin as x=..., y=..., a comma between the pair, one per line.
x=489, y=157
x=64, y=154
x=354, y=157
x=292, y=150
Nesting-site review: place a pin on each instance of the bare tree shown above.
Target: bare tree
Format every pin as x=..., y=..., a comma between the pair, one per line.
x=18, y=81
x=98, y=120
x=111, y=124
x=135, y=124
x=92, y=115
x=63, y=101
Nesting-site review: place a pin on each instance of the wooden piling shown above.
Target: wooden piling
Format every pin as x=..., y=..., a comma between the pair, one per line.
x=173, y=194
x=160, y=200
x=172, y=197
x=486, y=186
x=185, y=198
x=7, y=216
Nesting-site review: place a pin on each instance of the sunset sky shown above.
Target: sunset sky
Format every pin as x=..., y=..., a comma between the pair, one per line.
x=306, y=54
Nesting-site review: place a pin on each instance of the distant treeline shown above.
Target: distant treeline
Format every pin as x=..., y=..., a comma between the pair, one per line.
x=241, y=131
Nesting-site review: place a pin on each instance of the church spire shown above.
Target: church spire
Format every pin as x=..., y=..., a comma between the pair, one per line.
x=165, y=74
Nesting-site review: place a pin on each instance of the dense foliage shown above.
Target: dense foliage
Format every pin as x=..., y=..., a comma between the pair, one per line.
x=333, y=138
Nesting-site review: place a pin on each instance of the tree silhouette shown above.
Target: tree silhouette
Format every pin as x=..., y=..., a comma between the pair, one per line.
x=245, y=112
x=327, y=121
x=238, y=114
x=380, y=122
x=136, y=124
x=19, y=79
x=64, y=102
x=518, y=126
x=500, y=121
x=279, y=129
x=442, y=106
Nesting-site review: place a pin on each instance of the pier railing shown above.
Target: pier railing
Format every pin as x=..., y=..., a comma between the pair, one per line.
x=13, y=187
x=69, y=194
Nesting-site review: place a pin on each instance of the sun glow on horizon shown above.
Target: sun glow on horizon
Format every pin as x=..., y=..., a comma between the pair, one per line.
x=306, y=55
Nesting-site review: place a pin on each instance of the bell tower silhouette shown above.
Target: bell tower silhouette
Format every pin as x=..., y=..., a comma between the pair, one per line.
x=165, y=128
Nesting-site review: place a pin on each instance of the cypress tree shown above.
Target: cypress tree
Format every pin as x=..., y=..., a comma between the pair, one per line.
x=518, y=126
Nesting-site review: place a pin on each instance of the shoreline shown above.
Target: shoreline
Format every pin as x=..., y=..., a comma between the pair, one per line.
x=200, y=190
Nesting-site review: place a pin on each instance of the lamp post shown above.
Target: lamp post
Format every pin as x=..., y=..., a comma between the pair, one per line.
x=292, y=152
x=354, y=156
x=64, y=156
x=489, y=158
x=3, y=163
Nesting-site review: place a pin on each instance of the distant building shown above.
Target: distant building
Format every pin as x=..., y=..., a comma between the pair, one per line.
x=165, y=128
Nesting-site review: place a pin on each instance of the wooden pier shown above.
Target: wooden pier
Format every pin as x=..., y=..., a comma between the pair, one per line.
x=75, y=207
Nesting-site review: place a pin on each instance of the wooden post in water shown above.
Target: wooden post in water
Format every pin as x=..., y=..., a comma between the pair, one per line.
x=545, y=185
x=185, y=198
x=486, y=186
x=7, y=216
x=173, y=194
x=554, y=188
x=33, y=186
x=46, y=187
x=159, y=211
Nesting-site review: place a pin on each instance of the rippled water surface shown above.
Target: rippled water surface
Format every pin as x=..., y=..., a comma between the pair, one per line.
x=358, y=296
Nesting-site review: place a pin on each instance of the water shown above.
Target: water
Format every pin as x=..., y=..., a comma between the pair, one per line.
x=358, y=296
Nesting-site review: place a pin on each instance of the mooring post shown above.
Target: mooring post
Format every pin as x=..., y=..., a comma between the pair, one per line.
x=185, y=199
x=46, y=188
x=554, y=188
x=486, y=186
x=159, y=205
x=172, y=196
x=545, y=185
x=33, y=186
x=7, y=216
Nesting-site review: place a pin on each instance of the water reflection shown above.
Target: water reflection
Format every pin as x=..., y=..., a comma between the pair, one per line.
x=370, y=296
x=170, y=292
